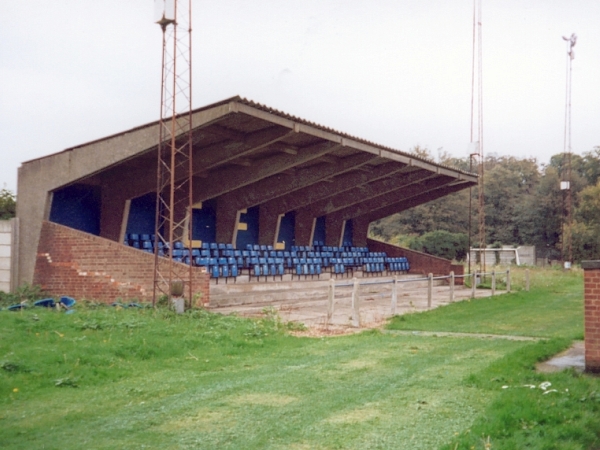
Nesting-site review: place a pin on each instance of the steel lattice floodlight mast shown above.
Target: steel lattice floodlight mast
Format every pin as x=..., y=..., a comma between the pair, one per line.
x=174, y=163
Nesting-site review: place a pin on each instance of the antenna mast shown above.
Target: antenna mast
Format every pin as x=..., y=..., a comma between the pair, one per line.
x=565, y=184
x=477, y=126
x=174, y=162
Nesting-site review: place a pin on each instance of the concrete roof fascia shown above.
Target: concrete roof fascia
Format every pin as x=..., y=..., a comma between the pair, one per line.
x=206, y=115
x=200, y=118
x=345, y=136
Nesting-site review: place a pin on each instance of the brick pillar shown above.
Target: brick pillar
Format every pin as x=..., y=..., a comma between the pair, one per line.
x=592, y=315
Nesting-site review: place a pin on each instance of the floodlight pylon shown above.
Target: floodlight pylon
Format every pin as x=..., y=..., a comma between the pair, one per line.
x=174, y=161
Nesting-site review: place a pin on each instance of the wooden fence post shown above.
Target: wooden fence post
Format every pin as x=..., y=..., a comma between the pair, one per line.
x=493, y=283
x=394, y=295
x=355, y=304
x=452, y=286
x=330, y=300
x=429, y=289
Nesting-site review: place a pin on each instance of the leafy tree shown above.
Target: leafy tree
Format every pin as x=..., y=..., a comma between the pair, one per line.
x=8, y=204
x=443, y=244
x=523, y=200
x=586, y=226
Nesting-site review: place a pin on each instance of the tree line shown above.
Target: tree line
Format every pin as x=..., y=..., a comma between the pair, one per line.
x=8, y=204
x=524, y=205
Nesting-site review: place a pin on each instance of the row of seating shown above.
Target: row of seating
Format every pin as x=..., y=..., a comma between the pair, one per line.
x=224, y=261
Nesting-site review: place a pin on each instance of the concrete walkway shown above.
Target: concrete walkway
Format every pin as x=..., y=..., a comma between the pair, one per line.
x=573, y=357
x=506, y=337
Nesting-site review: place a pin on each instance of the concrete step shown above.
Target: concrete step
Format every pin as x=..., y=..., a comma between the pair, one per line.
x=305, y=290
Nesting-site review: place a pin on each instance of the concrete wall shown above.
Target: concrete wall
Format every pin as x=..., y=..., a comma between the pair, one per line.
x=40, y=177
x=8, y=234
x=81, y=265
x=526, y=255
x=421, y=263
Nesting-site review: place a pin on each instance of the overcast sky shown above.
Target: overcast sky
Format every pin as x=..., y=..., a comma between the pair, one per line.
x=395, y=72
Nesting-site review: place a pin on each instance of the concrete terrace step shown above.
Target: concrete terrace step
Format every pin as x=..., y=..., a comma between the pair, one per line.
x=287, y=291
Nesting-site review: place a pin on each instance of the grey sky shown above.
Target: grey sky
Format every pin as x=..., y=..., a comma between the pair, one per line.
x=396, y=72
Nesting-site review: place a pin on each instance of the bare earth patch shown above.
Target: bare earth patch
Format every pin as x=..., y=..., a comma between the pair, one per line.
x=203, y=420
x=263, y=399
x=364, y=414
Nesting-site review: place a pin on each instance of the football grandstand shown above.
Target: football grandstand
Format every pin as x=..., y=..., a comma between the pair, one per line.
x=275, y=198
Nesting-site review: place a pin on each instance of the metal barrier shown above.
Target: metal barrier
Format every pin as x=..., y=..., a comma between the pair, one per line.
x=356, y=284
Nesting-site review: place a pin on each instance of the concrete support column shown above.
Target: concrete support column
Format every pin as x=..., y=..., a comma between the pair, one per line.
x=304, y=226
x=268, y=225
x=226, y=222
x=360, y=231
x=113, y=209
x=592, y=315
x=334, y=229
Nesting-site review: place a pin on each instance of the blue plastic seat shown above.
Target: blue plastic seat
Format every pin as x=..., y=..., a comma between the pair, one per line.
x=318, y=269
x=45, y=303
x=67, y=302
x=202, y=262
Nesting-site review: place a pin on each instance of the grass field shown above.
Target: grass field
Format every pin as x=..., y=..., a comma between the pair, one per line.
x=143, y=378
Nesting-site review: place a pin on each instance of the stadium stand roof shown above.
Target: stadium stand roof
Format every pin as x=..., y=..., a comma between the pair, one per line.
x=245, y=155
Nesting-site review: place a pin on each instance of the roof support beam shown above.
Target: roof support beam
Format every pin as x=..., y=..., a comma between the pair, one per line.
x=406, y=193
x=142, y=179
x=344, y=180
x=222, y=153
x=227, y=180
x=385, y=211
x=282, y=184
x=365, y=193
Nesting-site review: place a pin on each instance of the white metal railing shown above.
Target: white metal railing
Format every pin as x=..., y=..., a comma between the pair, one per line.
x=356, y=284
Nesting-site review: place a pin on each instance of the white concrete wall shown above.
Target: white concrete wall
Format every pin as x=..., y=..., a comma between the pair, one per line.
x=5, y=254
x=507, y=256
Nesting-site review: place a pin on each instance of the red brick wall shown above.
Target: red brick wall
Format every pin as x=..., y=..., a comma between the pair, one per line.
x=84, y=266
x=419, y=262
x=592, y=315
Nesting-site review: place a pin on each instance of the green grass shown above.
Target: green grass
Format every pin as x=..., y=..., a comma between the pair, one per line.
x=106, y=378
x=521, y=417
x=552, y=308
